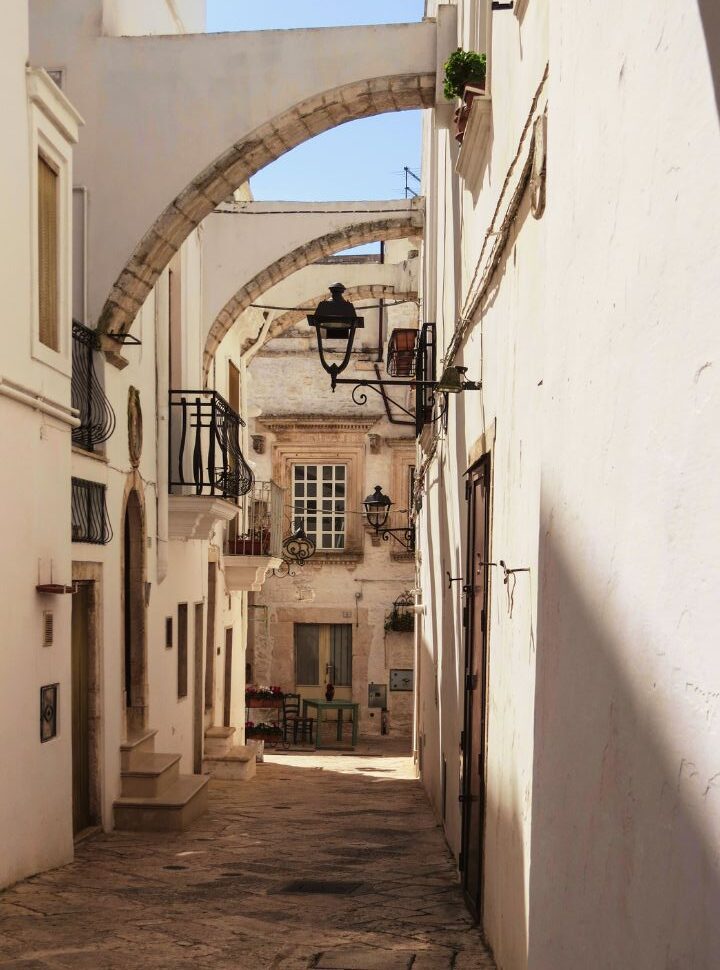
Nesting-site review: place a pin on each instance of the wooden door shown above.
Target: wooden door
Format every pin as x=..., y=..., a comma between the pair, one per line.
x=474, y=739
x=210, y=647
x=323, y=655
x=80, y=649
x=198, y=698
x=228, y=676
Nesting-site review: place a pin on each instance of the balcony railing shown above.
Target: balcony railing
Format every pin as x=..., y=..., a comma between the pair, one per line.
x=97, y=418
x=205, y=453
x=425, y=371
x=257, y=530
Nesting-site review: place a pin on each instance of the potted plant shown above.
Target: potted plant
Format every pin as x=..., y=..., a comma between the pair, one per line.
x=261, y=696
x=465, y=73
x=399, y=622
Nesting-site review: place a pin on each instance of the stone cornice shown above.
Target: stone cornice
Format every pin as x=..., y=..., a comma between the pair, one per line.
x=298, y=426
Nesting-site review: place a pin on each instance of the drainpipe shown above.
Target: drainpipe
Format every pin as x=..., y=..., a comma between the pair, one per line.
x=162, y=395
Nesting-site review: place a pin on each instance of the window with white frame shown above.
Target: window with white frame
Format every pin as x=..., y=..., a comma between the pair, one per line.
x=319, y=503
x=54, y=124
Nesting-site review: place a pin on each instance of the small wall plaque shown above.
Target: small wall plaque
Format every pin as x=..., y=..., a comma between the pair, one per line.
x=377, y=695
x=402, y=679
x=48, y=712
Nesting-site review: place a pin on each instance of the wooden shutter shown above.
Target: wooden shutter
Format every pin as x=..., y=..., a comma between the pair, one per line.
x=48, y=254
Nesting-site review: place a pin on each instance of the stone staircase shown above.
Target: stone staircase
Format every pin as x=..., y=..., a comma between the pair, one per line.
x=154, y=796
x=222, y=759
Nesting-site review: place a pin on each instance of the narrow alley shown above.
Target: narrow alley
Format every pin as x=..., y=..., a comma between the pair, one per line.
x=243, y=889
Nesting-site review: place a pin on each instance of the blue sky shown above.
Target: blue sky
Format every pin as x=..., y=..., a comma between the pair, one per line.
x=360, y=160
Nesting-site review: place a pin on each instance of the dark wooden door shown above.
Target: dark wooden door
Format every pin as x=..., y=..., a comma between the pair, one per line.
x=476, y=667
x=198, y=697
x=228, y=676
x=81, y=606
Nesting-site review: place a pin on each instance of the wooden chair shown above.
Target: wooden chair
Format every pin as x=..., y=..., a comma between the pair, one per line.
x=292, y=717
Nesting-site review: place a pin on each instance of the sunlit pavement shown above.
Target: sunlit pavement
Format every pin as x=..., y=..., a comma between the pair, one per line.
x=243, y=888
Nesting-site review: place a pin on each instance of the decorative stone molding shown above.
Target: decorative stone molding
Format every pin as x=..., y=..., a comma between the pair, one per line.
x=310, y=428
x=194, y=516
x=248, y=573
x=258, y=443
x=135, y=426
x=374, y=443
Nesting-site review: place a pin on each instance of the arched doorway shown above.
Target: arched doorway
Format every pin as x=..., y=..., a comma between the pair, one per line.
x=134, y=614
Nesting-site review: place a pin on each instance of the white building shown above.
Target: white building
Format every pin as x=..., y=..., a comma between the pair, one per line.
x=570, y=696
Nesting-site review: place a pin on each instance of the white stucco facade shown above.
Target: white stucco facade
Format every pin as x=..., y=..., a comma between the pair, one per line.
x=589, y=327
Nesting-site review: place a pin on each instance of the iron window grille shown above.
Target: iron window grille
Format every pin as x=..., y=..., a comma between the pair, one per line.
x=90, y=522
x=425, y=371
x=97, y=418
x=205, y=454
x=319, y=503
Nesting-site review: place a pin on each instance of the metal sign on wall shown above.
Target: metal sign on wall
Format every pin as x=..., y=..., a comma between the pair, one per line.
x=402, y=679
x=377, y=695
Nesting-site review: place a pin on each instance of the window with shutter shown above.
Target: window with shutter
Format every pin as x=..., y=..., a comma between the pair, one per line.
x=48, y=254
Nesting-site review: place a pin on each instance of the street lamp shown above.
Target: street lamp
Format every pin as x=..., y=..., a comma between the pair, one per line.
x=377, y=508
x=335, y=319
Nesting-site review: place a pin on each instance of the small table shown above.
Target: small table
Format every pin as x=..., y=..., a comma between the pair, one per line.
x=339, y=706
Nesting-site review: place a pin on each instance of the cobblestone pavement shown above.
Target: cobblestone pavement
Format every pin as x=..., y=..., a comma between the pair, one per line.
x=216, y=896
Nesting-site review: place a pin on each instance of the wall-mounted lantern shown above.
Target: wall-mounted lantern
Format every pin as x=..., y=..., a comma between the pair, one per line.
x=377, y=508
x=335, y=320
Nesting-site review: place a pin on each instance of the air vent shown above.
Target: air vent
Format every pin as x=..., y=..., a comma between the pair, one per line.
x=48, y=628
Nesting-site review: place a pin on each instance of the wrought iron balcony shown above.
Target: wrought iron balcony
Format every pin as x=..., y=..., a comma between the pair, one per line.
x=253, y=542
x=205, y=454
x=425, y=371
x=97, y=418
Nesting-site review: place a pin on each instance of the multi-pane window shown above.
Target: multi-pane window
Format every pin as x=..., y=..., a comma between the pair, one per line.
x=319, y=496
x=48, y=241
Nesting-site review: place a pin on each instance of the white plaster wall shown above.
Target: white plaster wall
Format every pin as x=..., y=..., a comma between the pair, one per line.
x=626, y=810
x=503, y=350
x=35, y=808
x=596, y=345
x=128, y=17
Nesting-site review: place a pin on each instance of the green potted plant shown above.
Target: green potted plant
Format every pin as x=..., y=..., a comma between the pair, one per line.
x=465, y=73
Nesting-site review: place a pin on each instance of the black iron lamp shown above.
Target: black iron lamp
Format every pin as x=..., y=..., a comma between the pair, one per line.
x=377, y=508
x=335, y=319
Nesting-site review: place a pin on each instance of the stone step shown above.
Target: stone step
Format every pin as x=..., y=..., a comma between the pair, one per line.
x=218, y=741
x=172, y=811
x=137, y=742
x=149, y=774
x=237, y=765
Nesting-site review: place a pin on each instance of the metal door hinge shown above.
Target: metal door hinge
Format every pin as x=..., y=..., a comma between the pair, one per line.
x=471, y=681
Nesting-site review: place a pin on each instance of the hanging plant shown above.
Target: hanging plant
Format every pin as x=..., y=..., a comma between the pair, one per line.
x=463, y=68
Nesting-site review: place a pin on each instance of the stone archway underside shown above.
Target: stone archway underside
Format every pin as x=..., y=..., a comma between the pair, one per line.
x=260, y=147
x=289, y=318
x=400, y=226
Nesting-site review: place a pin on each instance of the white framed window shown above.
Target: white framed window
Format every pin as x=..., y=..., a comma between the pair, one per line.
x=320, y=503
x=54, y=127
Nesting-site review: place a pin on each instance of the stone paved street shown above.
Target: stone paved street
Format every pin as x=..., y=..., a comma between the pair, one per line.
x=217, y=896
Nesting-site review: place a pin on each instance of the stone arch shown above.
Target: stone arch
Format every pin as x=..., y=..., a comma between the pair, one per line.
x=350, y=236
x=267, y=142
x=378, y=291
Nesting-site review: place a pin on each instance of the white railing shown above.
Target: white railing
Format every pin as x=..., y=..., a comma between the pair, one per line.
x=257, y=528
